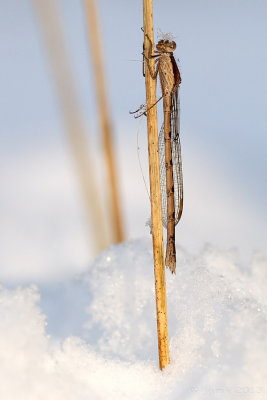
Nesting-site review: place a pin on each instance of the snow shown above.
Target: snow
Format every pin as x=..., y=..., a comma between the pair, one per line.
x=217, y=313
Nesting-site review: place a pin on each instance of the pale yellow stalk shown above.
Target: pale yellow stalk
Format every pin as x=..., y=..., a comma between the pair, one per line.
x=155, y=196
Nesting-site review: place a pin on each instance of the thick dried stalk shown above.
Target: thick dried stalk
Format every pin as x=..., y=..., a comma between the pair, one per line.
x=155, y=196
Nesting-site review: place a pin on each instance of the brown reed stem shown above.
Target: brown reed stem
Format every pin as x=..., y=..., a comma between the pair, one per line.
x=105, y=120
x=63, y=79
x=155, y=196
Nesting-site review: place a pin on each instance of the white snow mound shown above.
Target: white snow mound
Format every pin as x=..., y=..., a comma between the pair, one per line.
x=217, y=314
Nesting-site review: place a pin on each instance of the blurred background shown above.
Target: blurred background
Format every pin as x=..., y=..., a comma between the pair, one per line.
x=55, y=201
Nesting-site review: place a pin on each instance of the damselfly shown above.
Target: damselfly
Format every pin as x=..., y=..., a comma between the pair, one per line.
x=171, y=176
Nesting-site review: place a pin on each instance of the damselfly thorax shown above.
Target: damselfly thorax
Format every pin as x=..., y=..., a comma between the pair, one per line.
x=164, y=64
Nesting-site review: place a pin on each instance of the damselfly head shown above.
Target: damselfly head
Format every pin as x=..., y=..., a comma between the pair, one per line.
x=166, y=46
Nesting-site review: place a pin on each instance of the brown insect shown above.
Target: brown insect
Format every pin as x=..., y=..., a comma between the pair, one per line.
x=171, y=176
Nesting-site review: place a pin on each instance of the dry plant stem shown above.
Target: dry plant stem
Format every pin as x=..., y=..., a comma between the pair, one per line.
x=156, y=215
x=105, y=120
x=51, y=29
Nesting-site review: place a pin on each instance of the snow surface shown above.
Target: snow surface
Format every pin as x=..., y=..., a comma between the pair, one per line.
x=217, y=313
